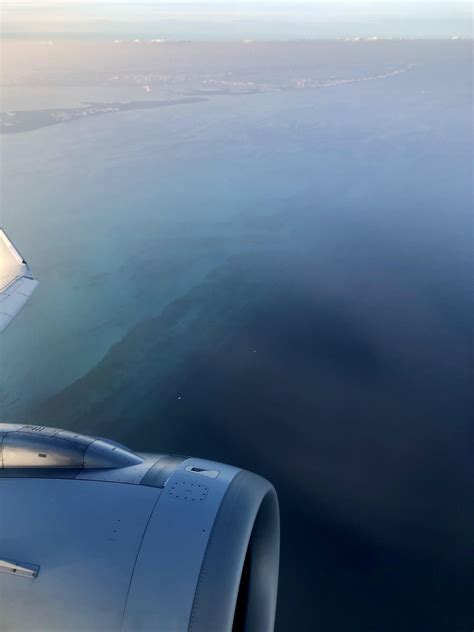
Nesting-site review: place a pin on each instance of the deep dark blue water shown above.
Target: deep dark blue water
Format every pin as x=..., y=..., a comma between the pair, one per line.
x=282, y=281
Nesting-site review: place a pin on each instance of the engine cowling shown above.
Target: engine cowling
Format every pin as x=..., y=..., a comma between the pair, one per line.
x=96, y=537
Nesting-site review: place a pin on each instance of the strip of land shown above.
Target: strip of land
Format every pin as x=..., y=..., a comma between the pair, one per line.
x=29, y=120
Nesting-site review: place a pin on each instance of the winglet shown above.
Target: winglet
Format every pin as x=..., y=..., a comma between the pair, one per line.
x=16, y=281
x=19, y=568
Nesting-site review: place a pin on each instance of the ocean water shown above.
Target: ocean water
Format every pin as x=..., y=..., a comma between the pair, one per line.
x=280, y=280
x=115, y=226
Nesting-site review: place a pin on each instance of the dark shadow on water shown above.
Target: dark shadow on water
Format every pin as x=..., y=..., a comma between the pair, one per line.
x=263, y=368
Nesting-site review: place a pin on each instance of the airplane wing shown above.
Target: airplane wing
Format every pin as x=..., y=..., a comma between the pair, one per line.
x=16, y=281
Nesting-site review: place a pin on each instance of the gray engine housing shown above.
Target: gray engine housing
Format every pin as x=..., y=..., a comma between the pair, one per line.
x=96, y=537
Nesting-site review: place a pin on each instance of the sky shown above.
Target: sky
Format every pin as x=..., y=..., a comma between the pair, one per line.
x=224, y=19
x=222, y=2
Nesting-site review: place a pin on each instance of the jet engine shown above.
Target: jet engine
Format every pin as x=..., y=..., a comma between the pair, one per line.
x=96, y=537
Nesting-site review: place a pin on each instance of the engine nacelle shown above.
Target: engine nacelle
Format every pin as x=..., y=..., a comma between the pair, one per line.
x=96, y=537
